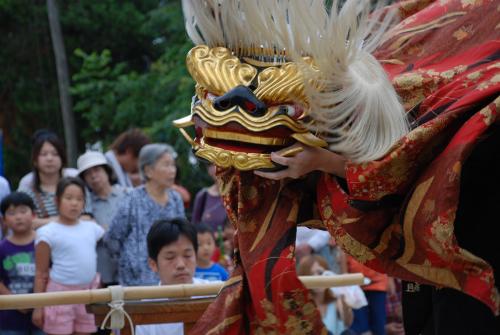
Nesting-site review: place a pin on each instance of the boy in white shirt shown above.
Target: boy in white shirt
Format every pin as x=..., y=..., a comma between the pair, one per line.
x=172, y=247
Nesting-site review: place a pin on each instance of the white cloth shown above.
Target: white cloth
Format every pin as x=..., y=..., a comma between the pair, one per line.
x=315, y=238
x=4, y=191
x=161, y=329
x=4, y=188
x=353, y=294
x=72, y=250
x=27, y=180
x=176, y=328
x=121, y=176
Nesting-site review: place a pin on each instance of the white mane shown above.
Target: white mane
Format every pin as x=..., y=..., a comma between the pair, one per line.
x=353, y=104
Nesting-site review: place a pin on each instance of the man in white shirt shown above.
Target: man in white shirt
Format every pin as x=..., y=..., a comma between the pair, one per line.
x=172, y=247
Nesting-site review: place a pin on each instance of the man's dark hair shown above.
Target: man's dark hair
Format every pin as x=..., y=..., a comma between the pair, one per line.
x=164, y=232
x=203, y=228
x=132, y=139
x=16, y=199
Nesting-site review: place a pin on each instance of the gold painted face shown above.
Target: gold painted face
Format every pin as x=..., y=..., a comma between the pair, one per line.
x=245, y=109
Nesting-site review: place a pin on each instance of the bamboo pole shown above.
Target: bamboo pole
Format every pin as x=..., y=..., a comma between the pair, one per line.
x=24, y=301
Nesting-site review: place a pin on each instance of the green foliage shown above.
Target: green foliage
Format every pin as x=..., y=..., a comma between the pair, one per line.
x=113, y=96
x=28, y=86
x=127, y=60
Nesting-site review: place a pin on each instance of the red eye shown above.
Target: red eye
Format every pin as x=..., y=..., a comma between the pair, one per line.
x=249, y=106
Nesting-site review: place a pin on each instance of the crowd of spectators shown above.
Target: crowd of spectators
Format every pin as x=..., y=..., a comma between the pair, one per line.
x=120, y=218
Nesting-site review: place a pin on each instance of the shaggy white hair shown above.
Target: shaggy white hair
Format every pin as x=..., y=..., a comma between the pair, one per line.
x=353, y=104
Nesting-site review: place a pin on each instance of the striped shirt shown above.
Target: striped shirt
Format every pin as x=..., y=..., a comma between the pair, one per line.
x=45, y=203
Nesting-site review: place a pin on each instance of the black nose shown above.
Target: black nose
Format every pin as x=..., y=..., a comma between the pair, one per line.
x=243, y=97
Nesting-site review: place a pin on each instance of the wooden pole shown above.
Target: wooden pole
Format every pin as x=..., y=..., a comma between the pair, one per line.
x=24, y=301
x=63, y=81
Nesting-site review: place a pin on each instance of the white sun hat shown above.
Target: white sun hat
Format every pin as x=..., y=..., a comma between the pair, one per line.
x=90, y=159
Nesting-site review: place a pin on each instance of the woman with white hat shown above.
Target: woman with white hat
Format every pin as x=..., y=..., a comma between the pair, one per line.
x=104, y=199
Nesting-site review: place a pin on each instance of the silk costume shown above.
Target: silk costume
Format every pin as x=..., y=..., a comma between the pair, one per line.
x=394, y=214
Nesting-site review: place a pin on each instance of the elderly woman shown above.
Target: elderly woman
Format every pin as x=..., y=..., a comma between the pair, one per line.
x=126, y=238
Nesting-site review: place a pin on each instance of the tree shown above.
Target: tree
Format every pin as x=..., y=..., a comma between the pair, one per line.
x=127, y=58
x=63, y=81
x=112, y=96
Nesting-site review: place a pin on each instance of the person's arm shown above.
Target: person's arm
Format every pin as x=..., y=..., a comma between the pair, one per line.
x=119, y=229
x=198, y=205
x=308, y=160
x=40, y=222
x=345, y=312
x=179, y=204
x=4, y=289
x=42, y=265
x=342, y=260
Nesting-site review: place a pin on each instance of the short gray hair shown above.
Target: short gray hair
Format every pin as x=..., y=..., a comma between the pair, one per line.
x=151, y=153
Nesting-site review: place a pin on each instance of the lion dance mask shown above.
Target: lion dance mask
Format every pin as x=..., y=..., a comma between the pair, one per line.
x=273, y=74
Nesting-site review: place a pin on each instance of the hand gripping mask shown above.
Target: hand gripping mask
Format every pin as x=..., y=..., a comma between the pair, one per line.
x=270, y=74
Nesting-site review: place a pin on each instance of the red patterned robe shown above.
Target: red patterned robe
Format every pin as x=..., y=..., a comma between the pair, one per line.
x=396, y=214
x=444, y=63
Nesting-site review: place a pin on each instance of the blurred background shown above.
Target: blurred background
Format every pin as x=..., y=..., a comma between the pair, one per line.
x=123, y=61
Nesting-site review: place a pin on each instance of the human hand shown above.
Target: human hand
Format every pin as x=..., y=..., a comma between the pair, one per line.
x=39, y=222
x=37, y=317
x=302, y=250
x=307, y=160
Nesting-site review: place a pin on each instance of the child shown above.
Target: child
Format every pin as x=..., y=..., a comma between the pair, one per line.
x=206, y=268
x=228, y=240
x=69, y=244
x=17, y=260
x=172, y=246
x=335, y=313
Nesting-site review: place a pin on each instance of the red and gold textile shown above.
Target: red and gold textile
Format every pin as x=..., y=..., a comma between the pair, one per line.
x=264, y=294
x=444, y=62
x=396, y=214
